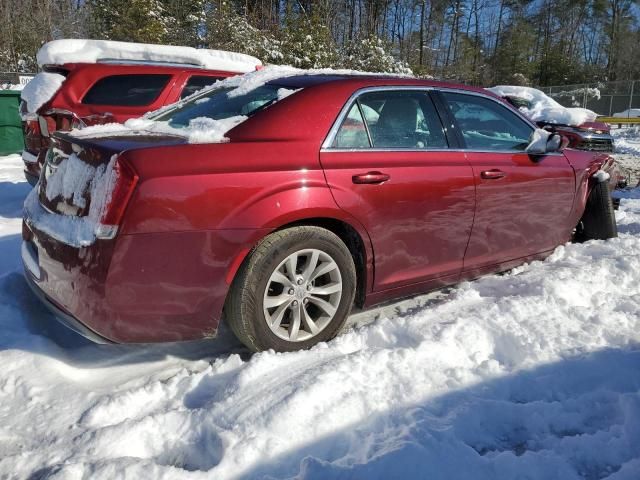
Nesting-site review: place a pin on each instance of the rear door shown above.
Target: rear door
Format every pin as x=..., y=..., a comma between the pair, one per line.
x=523, y=201
x=388, y=164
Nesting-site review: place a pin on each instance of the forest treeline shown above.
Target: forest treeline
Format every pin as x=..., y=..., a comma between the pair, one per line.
x=474, y=41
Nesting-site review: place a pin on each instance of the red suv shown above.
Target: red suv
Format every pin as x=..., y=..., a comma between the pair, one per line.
x=329, y=191
x=93, y=82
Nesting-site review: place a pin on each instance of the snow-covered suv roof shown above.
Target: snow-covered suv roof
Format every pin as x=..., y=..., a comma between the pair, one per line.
x=60, y=52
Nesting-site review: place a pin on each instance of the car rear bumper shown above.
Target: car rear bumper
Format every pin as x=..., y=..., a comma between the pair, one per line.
x=62, y=316
x=137, y=288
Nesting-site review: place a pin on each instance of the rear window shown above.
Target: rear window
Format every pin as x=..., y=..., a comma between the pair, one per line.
x=198, y=82
x=222, y=103
x=126, y=90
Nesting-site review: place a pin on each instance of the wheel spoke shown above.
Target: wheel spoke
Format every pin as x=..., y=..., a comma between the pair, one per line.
x=276, y=301
x=294, y=326
x=281, y=278
x=309, y=324
x=328, y=289
x=292, y=263
x=324, y=305
x=311, y=265
x=276, y=318
x=323, y=269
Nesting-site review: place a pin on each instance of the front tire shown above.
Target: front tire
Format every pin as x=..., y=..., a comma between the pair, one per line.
x=295, y=289
x=598, y=221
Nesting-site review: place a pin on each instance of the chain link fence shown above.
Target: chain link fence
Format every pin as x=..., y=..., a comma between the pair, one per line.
x=604, y=98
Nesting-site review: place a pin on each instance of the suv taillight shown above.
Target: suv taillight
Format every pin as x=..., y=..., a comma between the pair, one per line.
x=125, y=181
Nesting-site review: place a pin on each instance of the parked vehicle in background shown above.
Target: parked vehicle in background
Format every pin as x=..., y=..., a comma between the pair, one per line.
x=311, y=193
x=90, y=82
x=591, y=135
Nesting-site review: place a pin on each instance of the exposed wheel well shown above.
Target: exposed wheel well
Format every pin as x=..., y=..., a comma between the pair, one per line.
x=352, y=240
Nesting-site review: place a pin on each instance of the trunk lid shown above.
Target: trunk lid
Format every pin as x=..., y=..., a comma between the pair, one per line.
x=86, y=185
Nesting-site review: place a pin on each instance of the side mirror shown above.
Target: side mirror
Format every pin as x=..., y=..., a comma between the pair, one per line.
x=554, y=143
x=538, y=142
x=543, y=141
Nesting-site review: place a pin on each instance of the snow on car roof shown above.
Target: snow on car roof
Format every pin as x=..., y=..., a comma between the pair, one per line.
x=60, y=52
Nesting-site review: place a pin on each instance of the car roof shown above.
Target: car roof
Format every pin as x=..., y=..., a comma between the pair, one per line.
x=359, y=80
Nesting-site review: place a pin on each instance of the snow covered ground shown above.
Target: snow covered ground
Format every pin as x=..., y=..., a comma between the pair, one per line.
x=627, y=145
x=534, y=374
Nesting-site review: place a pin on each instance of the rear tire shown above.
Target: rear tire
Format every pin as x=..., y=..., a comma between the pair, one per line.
x=301, y=309
x=598, y=221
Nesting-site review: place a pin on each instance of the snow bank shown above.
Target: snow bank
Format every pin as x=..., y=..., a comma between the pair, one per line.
x=544, y=108
x=627, y=141
x=633, y=112
x=59, y=52
x=41, y=89
x=70, y=180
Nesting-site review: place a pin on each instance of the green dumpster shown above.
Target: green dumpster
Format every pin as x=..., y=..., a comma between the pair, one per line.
x=11, y=139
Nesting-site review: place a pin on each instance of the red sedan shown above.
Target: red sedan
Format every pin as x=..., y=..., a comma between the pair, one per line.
x=322, y=192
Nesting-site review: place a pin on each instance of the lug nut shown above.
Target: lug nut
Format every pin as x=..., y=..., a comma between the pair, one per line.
x=299, y=281
x=294, y=303
x=290, y=292
x=306, y=300
x=309, y=287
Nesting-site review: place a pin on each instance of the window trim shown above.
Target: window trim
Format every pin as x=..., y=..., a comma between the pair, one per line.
x=451, y=138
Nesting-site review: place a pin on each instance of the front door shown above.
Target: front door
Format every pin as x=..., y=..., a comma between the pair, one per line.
x=523, y=201
x=389, y=166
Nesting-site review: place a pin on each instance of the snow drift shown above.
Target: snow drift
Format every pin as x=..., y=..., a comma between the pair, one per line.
x=544, y=108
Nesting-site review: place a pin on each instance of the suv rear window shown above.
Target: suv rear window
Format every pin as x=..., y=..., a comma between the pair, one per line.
x=126, y=90
x=198, y=82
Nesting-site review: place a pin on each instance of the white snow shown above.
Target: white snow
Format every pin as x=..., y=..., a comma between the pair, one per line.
x=632, y=112
x=544, y=108
x=533, y=374
x=41, y=89
x=538, y=141
x=70, y=181
x=627, y=140
x=60, y=52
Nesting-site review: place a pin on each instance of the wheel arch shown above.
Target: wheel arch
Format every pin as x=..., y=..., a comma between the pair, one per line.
x=354, y=237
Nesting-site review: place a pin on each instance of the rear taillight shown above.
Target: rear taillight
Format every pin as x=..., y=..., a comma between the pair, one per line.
x=47, y=125
x=125, y=180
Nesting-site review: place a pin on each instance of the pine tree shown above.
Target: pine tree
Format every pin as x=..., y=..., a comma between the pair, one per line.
x=129, y=20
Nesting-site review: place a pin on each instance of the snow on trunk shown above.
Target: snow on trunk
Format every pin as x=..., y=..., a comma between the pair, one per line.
x=72, y=181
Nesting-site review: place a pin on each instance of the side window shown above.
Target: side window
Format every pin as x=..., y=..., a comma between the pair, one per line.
x=403, y=119
x=352, y=132
x=487, y=125
x=126, y=90
x=198, y=82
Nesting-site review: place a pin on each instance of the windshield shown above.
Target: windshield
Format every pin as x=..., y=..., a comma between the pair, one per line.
x=223, y=103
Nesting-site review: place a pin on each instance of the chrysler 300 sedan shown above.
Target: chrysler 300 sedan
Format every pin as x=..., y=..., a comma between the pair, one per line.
x=276, y=202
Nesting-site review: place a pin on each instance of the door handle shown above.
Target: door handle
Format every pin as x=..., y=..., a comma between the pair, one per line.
x=370, y=177
x=492, y=174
